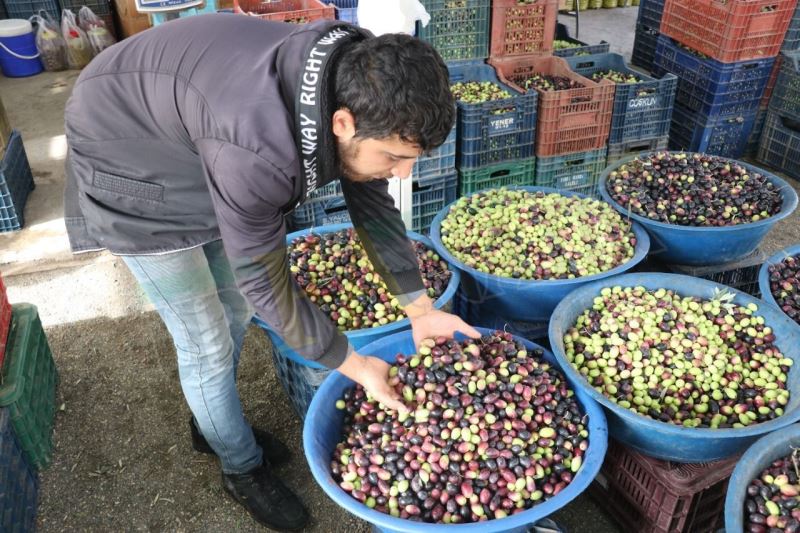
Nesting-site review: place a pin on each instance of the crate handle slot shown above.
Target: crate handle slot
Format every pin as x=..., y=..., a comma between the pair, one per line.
x=586, y=64
x=750, y=66
x=639, y=147
x=500, y=173
x=574, y=162
x=790, y=124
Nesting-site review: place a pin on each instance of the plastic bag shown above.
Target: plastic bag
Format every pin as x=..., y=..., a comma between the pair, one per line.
x=99, y=36
x=79, y=50
x=391, y=16
x=50, y=44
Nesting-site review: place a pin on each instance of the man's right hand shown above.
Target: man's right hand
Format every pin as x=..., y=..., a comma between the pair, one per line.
x=372, y=373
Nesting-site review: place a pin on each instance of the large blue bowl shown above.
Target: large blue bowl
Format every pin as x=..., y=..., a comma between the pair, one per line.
x=756, y=458
x=664, y=440
x=527, y=300
x=322, y=431
x=360, y=337
x=689, y=245
x=763, y=274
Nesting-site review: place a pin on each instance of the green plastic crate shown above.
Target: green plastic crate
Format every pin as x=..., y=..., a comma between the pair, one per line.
x=494, y=176
x=458, y=29
x=576, y=172
x=28, y=385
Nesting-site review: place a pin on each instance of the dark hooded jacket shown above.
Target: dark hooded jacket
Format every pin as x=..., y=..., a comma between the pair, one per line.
x=217, y=126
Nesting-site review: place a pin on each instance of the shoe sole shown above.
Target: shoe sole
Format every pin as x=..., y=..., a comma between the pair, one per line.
x=254, y=517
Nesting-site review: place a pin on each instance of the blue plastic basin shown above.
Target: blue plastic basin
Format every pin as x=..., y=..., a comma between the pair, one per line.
x=531, y=301
x=757, y=458
x=689, y=245
x=665, y=440
x=763, y=274
x=360, y=337
x=323, y=430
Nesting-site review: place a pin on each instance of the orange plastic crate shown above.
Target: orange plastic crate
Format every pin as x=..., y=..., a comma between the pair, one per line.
x=730, y=31
x=295, y=11
x=568, y=121
x=523, y=27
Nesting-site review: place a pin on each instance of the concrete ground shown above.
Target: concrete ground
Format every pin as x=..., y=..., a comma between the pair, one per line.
x=122, y=457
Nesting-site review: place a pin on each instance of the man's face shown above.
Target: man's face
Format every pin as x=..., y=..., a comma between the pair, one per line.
x=369, y=159
x=364, y=159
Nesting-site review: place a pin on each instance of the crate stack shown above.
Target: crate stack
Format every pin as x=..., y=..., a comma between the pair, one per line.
x=572, y=125
x=648, y=495
x=292, y=11
x=723, y=55
x=346, y=10
x=16, y=178
x=25, y=9
x=648, y=23
x=779, y=146
x=27, y=411
x=642, y=110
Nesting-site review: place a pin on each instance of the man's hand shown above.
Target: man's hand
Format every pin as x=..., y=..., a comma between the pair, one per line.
x=372, y=373
x=437, y=323
x=428, y=322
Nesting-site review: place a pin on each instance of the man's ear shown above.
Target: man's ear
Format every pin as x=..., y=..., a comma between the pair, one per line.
x=344, y=124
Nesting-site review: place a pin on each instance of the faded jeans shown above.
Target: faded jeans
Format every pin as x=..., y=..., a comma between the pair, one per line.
x=195, y=293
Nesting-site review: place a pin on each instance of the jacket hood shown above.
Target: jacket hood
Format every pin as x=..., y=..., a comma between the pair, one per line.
x=306, y=64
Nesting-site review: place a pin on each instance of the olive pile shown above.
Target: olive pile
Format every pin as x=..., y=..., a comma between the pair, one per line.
x=681, y=360
x=690, y=189
x=559, y=44
x=515, y=233
x=544, y=82
x=615, y=76
x=336, y=274
x=493, y=430
x=773, y=499
x=784, y=283
x=478, y=92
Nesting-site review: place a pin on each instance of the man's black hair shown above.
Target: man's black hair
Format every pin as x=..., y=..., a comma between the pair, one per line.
x=396, y=85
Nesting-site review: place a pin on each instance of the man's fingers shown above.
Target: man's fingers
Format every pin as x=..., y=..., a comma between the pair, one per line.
x=468, y=330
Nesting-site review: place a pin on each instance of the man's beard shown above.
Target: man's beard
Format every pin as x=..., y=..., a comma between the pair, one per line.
x=347, y=154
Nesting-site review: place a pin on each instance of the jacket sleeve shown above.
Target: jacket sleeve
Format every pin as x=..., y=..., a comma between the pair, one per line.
x=383, y=234
x=248, y=193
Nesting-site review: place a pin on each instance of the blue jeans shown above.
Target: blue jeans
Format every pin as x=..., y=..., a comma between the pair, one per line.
x=195, y=293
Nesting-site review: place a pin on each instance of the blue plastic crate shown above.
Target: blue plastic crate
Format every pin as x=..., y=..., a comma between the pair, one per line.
x=347, y=14
x=755, y=135
x=299, y=381
x=785, y=98
x=458, y=30
x=780, y=144
x=709, y=86
x=644, y=47
x=16, y=181
x=481, y=315
x=325, y=206
x=25, y=9
x=641, y=110
x=439, y=161
x=3, y=13
x=19, y=484
x=650, y=12
x=576, y=172
x=791, y=40
x=619, y=151
x=343, y=4
x=429, y=196
x=486, y=138
x=723, y=136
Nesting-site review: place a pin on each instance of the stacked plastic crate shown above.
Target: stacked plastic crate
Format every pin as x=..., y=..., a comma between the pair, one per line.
x=779, y=146
x=573, y=121
x=723, y=55
x=648, y=23
x=27, y=411
x=346, y=10
x=642, y=111
x=25, y=9
x=16, y=178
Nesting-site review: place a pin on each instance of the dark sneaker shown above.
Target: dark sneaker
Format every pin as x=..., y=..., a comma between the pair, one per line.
x=267, y=499
x=275, y=451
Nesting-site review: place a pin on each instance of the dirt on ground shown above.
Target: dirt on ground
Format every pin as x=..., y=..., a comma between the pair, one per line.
x=123, y=459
